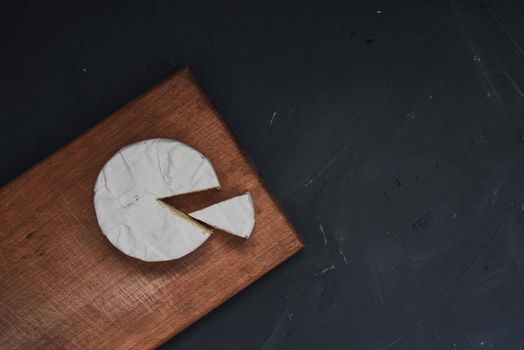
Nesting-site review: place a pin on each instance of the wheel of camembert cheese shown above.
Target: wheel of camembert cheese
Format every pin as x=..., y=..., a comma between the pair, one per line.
x=128, y=192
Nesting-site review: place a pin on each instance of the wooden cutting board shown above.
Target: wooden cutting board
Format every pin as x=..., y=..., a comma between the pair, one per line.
x=63, y=285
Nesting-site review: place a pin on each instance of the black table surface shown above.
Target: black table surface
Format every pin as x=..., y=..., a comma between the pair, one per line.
x=392, y=133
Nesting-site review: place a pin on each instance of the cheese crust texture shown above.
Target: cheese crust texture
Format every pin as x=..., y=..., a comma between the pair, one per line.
x=127, y=192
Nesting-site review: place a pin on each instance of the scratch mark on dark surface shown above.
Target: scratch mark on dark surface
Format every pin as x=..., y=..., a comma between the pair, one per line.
x=455, y=283
x=485, y=73
x=476, y=58
x=327, y=269
x=334, y=159
x=272, y=118
x=344, y=257
x=509, y=77
x=322, y=230
x=503, y=27
x=326, y=166
x=346, y=147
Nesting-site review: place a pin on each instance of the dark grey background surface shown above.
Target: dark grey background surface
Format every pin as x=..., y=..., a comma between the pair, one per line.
x=392, y=133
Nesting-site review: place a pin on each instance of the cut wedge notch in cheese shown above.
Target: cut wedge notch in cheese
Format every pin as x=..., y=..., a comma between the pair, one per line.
x=235, y=215
x=127, y=193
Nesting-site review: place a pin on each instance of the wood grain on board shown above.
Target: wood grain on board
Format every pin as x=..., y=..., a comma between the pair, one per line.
x=63, y=285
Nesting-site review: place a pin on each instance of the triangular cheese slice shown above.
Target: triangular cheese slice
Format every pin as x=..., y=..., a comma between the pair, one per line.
x=235, y=215
x=127, y=193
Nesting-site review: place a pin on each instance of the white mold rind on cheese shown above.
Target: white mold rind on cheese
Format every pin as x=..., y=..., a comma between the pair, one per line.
x=127, y=192
x=235, y=215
